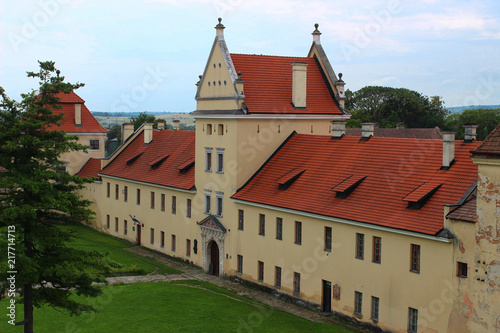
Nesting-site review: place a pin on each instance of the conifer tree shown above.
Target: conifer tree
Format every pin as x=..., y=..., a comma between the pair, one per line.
x=38, y=196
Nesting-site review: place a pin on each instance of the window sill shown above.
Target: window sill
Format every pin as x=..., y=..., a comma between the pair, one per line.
x=297, y=243
x=220, y=172
x=374, y=319
x=462, y=276
x=328, y=250
x=360, y=258
x=296, y=293
x=277, y=287
x=414, y=271
x=376, y=262
x=358, y=315
x=279, y=238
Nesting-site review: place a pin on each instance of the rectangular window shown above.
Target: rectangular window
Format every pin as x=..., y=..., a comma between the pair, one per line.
x=240, y=264
x=358, y=302
x=188, y=247
x=377, y=249
x=328, y=239
x=188, y=208
x=296, y=283
x=107, y=222
x=117, y=191
x=415, y=258
x=279, y=228
x=262, y=224
x=162, y=202
x=125, y=227
x=298, y=232
x=241, y=217
x=152, y=241
x=462, y=270
x=360, y=246
x=218, y=204
x=412, y=320
x=174, y=205
x=220, y=129
x=162, y=238
x=208, y=159
x=209, y=129
x=94, y=144
x=152, y=200
x=108, y=189
x=375, y=304
x=173, y=243
x=220, y=160
x=125, y=193
x=138, y=196
x=277, y=277
x=207, y=201
x=116, y=224
x=261, y=271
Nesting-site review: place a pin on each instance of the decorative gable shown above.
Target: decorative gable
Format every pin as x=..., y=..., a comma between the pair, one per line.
x=212, y=222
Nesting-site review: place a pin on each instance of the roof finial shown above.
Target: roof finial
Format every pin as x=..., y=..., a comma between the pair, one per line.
x=220, y=25
x=340, y=77
x=316, y=34
x=58, y=72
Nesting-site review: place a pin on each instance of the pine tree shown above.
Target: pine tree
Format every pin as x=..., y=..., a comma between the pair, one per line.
x=39, y=196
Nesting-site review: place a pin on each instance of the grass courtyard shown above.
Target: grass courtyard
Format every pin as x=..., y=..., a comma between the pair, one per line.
x=177, y=306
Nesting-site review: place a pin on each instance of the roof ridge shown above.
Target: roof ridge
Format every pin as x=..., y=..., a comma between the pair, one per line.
x=270, y=55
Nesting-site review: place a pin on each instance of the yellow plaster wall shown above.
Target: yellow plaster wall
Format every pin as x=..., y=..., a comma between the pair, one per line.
x=391, y=281
x=77, y=159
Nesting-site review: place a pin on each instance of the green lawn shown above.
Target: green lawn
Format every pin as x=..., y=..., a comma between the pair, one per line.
x=167, y=307
x=133, y=264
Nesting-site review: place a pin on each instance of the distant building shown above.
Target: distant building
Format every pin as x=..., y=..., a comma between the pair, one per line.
x=270, y=189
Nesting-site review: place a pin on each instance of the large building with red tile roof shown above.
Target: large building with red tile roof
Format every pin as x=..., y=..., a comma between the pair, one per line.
x=271, y=191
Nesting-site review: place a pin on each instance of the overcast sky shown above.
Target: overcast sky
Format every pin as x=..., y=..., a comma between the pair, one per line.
x=147, y=55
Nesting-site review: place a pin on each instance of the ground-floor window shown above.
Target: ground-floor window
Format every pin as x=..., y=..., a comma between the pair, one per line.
x=358, y=302
x=412, y=320
x=375, y=304
x=277, y=278
x=296, y=282
x=173, y=243
x=125, y=227
x=261, y=271
x=240, y=264
x=162, y=239
x=152, y=236
x=188, y=247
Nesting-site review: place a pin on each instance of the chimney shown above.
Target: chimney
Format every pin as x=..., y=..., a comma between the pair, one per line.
x=127, y=131
x=148, y=133
x=161, y=124
x=175, y=124
x=78, y=115
x=367, y=130
x=338, y=128
x=299, y=84
x=339, y=85
x=400, y=126
x=470, y=133
x=219, y=28
x=448, y=150
x=316, y=34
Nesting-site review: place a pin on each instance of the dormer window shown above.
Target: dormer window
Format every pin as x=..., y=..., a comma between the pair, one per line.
x=288, y=178
x=418, y=197
x=347, y=186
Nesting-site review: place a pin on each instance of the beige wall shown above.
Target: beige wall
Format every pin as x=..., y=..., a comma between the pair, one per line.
x=391, y=280
x=77, y=159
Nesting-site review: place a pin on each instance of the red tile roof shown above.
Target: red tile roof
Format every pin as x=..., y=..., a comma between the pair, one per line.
x=268, y=85
x=490, y=146
x=91, y=168
x=422, y=191
x=177, y=145
x=393, y=168
x=466, y=212
x=410, y=133
x=89, y=123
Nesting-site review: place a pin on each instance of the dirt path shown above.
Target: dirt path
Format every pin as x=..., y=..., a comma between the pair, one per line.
x=190, y=272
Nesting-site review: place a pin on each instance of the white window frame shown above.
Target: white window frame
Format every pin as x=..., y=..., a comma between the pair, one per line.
x=208, y=159
x=219, y=166
x=98, y=140
x=218, y=203
x=208, y=195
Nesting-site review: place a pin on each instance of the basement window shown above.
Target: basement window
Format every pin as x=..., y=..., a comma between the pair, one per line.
x=462, y=270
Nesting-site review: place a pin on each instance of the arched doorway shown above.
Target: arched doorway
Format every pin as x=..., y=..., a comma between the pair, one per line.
x=213, y=267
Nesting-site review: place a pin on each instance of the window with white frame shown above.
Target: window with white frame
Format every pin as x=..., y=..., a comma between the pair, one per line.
x=208, y=159
x=208, y=194
x=220, y=160
x=218, y=203
x=94, y=144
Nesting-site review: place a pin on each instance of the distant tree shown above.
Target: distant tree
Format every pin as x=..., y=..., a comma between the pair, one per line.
x=486, y=119
x=142, y=118
x=40, y=195
x=115, y=132
x=389, y=106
